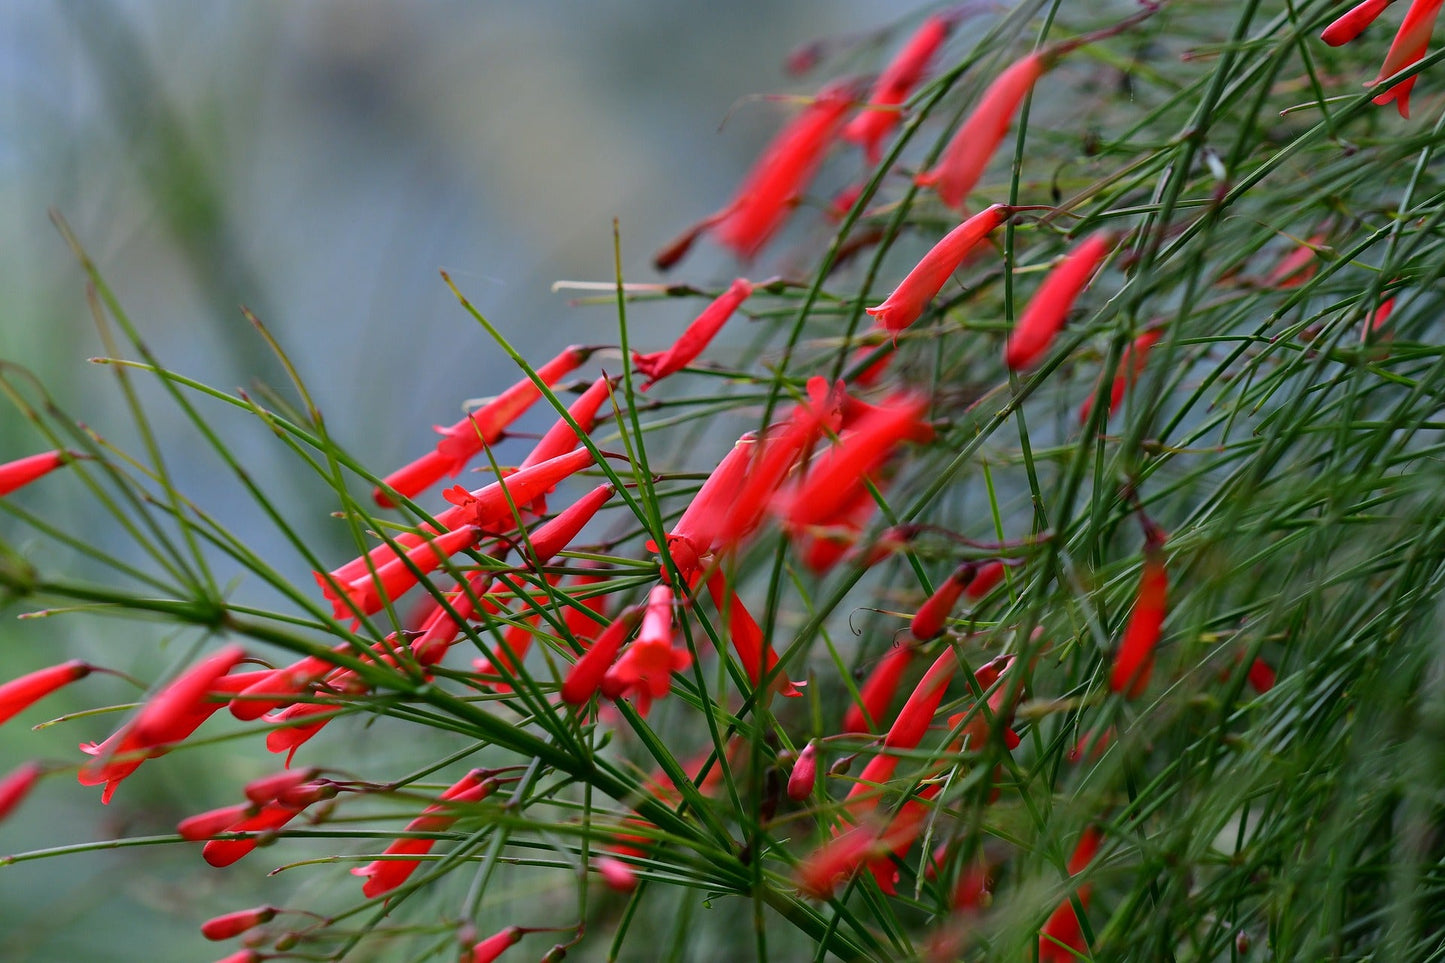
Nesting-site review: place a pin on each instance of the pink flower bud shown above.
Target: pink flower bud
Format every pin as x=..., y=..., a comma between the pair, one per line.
x=804, y=776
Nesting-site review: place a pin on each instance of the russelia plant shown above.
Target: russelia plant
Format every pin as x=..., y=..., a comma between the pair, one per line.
x=884, y=638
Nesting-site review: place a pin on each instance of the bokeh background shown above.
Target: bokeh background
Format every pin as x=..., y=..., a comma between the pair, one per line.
x=320, y=162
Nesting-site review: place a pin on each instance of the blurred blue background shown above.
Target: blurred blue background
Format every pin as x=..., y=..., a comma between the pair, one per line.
x=319, y=162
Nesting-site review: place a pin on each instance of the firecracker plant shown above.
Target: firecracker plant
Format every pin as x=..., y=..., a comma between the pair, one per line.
x=1055, y=576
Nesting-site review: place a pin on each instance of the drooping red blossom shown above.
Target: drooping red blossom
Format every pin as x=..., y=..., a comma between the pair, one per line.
x=692, y=342
x=999, y=710
x=1353, y=22
x=17, y=695
x=268, y=788
x=774, y=457
x=226, y=926
x=906, y=732
x=823, y=548
x=562, y=437
x=1377, y=319
x=1411, y=42
x=495, y=945
x=702, y=523
x=165, y=716
x=504, y=662
x=21, y=472
x=804, y=777
x=911, y=298
x=836, y=861
x=878, y=689
x=643, y=672
x=755, y=653
x=16, y=785
x=290, y=737
x=369, y=594
x=481, y=428
x=242, y=956
x=557, y=534
x=904, y=828
x=214, y=821
x=835, y=476
x=491, y=508
x=988, y=576
x=1046, y=313
x=1091, y=745
x=782, y=173
x=967, y=154
x=442, y=628
x=930, y=619
x=224, y=852
x=585, y=677
x=1135, y=659
x=384, y=875
x=1061, y=940
x=122, y=753
x=1131, y=366
x=871, y=124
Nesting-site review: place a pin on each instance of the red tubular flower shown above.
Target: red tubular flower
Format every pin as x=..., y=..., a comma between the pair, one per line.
x=747, y=638
x=558, y=533
x=772, y=459
x=234, y=924
x=968, y=153
x=804, y=777
x=976, y=733
x=213, y=821
x=1409, y=46
x=280, y=686
x=122, y=753
x=23, y=471
x=702, y=522
x=441, y=630
x=562, y=437
x=878, y=690
x=911, y=298
x=165, y=716
x=490, y=509
x=369, y=594
x=585, y=676
x=290, y=737
x=16, y=785
x=1131, y=365
x=384, y=875
x=268, y=788
x=1135, y=658
x=906, y=732
x=1353, y=22
x=695, y=339
x=823, y=548
x=20, y=694
x=1046, y=313
x=835, y=476
x=835, y=861
x=1061, y=940
x=644, y=670
x=224, y=852
x=782, y=173
x=494, y=946
x=870, y=125
x=986, y=578
x=928, y=622
x=481, y=428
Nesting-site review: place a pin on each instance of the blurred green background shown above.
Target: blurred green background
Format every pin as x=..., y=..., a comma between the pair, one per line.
x=319, y=162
